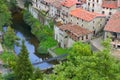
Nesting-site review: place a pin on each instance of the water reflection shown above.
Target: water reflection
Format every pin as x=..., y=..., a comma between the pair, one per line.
x=23, y=32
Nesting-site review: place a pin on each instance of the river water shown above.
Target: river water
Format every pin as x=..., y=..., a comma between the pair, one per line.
x=23, y=31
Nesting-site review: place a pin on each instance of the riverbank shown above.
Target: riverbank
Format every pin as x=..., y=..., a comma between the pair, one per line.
x=44, y=33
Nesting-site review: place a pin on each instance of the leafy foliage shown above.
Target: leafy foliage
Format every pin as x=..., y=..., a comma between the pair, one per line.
x=44, y=45
x=9, y=76
x=82, y=64
x=42, y=32
x=37, y=75
x=5, y=14
x=27, y=3
x=12, y=4
x=8, y=58
x=106, y=43
x=10, y=38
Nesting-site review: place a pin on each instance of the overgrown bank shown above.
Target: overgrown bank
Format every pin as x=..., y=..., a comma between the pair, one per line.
x=44, y=33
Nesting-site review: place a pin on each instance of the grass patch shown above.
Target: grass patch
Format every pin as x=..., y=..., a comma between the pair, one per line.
x=60, y=51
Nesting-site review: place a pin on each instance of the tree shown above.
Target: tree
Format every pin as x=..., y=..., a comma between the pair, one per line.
x=37, y=74
x=10, y=38
x=5, y=14
x=12, y=4
x=82, y=64
x=27, y=3
x=44, y=45
x=24, y=69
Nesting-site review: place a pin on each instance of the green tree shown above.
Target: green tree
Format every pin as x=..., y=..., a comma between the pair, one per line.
x=12, y=4
x=82, y=64
x=37, y=74
x=24, y=69
x=10, y=38
x=27, y=3
x=44, y=45
x=5, y=14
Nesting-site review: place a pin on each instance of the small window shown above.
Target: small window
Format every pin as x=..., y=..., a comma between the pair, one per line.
x=110, y=13
x=93, y=5
x=97, y=1
x=82, y=37
x=103, y=12
x=88, y=4
x=86, y=36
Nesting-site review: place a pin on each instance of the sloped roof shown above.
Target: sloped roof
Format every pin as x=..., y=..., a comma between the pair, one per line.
x=69, y=3
x=85, y=15
x=113, y=25
x=109, y=4
x=75, y=29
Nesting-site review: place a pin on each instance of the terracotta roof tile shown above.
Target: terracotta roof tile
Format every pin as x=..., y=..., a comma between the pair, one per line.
x=69, y=3
x=113, y=25
x=75, y=29
x=85, y=15
x=109, y=4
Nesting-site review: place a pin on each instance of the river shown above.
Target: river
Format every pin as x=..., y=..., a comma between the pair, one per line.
x=23, y=31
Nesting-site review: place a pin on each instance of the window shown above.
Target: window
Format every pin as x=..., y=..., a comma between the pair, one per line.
x=82, y=25
x=97, y=1
x=82, y=37
x=103, y=12
x=93, y=5
x=88, y=4
x=86, y=36
x=110, y=13
x=92, y=10
x=82, y=20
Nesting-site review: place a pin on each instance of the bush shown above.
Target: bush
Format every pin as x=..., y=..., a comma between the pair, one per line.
x=9, y=58
x=9, y=76
x=44, y=45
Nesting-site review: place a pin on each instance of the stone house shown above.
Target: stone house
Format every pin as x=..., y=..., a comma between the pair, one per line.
x=34, y=11
x=67, y=6
x=67, y=34
x=93, y=5
x=89, y=20
x=110, y=7
x=112, y=29
x=54, y=9
x=107, y=7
